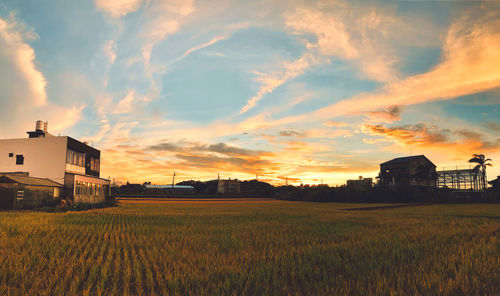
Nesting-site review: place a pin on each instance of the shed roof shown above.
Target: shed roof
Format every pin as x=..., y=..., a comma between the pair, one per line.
x=21, y=179
x=406, y=159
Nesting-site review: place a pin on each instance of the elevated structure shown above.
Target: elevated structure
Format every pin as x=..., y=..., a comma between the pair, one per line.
x=461, y=179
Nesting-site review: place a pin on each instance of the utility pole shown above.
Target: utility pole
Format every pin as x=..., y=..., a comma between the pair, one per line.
x=173, y=180
x=286, y=181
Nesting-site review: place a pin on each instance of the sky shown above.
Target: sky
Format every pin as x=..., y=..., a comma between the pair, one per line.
x=287, y=91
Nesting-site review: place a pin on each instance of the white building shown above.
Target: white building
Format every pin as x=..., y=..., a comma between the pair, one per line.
x=61, y=159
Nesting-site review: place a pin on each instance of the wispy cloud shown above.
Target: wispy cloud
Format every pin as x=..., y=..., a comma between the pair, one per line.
x=109, y=51
x=471, y=55
x=126, y=104
x=201, y=46
x=270, y=81
x=346, y=31
x=165, y=20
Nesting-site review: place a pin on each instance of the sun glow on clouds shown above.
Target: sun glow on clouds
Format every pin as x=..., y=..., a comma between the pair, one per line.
x=22, y=57
x=289, y=119
x=23, y=86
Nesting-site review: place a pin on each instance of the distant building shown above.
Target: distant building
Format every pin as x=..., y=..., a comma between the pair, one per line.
x=19, y=191
x=64, y=160
x=360, y=184
x=495, y=184
x=169, y=190
x=228, y=187
x=408, y=171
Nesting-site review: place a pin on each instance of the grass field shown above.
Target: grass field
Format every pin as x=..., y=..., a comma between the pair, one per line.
x=252, y=247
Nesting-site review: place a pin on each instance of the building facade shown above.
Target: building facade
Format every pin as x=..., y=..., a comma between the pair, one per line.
x=62, y=159
x=408, y=171
x=228, y=187
x=360, y=184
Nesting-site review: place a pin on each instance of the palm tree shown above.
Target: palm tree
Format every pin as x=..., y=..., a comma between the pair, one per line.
x=482, y=163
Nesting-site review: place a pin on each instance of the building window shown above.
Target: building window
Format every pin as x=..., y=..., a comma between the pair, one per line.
x=19, y=159
x=75, y=157
x=11, y=154
x=94, y=164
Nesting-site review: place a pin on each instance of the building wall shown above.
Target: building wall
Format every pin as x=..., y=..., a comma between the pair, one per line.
x=43, y=157
x=406, y=173
x=31, y=197
x=228, y=186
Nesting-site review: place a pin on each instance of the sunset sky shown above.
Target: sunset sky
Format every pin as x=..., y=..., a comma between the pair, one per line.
x=304, y=90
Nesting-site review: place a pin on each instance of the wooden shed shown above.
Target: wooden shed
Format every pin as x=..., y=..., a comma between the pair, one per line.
x=21, y=191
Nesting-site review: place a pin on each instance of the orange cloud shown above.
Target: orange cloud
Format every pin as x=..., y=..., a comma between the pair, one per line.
x=457, y=143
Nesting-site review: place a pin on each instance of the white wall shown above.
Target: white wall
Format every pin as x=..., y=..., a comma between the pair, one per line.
x=43, y=157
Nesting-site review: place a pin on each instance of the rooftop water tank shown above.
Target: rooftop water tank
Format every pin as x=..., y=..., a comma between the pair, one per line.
x=40, y=125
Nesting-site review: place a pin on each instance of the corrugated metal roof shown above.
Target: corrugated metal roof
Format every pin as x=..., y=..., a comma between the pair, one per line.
x=405, y=159
x=29, y=180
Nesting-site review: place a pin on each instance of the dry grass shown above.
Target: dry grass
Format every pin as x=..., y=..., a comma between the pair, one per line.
x=267, y=247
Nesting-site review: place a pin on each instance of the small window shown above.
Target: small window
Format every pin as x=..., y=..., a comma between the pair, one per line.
x=19, y=159
x=20, y=195
x=11, y=154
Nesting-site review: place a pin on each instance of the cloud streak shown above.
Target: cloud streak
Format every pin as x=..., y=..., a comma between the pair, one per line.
x=270, y=81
